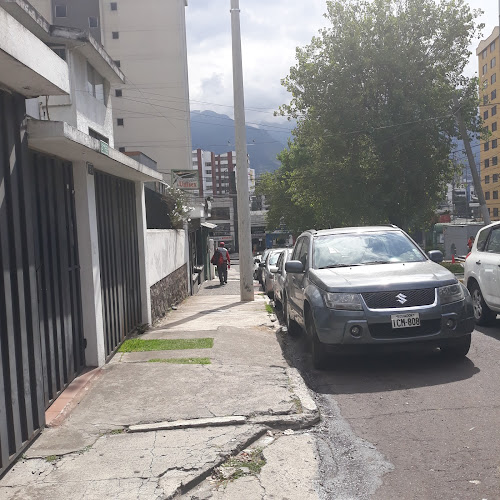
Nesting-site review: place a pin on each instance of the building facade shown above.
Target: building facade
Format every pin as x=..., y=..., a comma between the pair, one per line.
x=147, y=40
x=488, y=53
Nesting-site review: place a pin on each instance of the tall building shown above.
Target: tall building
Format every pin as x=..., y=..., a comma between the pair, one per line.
x=488, y=53
x=147, y=40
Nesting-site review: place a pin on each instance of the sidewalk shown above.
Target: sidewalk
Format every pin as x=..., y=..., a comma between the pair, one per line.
x=156, y=430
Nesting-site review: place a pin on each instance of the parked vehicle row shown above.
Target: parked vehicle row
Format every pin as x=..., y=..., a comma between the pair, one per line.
x=370, y=286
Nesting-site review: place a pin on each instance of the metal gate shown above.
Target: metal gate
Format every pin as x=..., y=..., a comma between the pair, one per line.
x=118, y=256
x=58, y=274
x=21, y=387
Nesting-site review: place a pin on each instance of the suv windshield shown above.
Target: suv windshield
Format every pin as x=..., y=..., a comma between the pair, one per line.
x=345, y=250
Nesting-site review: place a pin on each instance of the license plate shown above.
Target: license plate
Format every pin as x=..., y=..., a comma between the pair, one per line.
x=408, y=320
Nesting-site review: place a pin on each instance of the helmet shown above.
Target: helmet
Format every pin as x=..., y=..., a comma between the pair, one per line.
x=221, y=244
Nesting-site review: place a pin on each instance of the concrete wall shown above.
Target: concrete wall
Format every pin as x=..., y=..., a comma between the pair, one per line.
x=78, y=13
x=165, y=253
x=81, y=110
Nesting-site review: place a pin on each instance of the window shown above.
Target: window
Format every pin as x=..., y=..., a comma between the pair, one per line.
x=493, y=78
x=494, y=126
x=493, y=110
x=486, y=177
x=485, y=115
x=93, y=22
x=492, y=46
x=495, y=214
x=116, y=35
x=495, y=177
x=495, y=195
x=95, y=83
x=61, y=11
x=114, y=6
x=494, y=160
x=493, y=95
x=494, y=239
x=486, y=146
x=60, y=52
x=118, y=64
x=302, y=251
x=486, y=163
x=121, y=123
x=96, y=135
x=121, y=149
x=494, y=143
x=486, y=195
x=118, y=92
x=484, y=54
x=485, y=99
x=485, y=69
x=493, y=62
x=489, y=211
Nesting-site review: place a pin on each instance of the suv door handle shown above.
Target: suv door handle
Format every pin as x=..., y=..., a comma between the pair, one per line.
x=478, y=262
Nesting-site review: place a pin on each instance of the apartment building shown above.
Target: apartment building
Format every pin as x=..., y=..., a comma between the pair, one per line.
x=147, y=40
x=488, y=53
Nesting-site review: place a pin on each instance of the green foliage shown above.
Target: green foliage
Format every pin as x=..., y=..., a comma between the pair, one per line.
x=177, y=203
x=453, y=267
x=269, y=308
x=373, y=96
x=140, y=345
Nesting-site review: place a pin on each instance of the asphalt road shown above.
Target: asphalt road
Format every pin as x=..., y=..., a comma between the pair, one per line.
x=408, y=425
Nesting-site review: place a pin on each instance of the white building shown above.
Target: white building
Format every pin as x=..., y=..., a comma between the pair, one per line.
x=147, y=40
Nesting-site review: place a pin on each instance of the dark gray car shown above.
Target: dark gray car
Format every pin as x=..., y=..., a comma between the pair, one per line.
x=373, y=286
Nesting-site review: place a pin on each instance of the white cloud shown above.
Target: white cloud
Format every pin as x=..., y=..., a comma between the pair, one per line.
x=271, y=31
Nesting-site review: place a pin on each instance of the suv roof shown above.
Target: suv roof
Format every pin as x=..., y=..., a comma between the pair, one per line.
x=352, y=230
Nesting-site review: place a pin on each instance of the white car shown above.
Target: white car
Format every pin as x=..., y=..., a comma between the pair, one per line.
x=482, y=274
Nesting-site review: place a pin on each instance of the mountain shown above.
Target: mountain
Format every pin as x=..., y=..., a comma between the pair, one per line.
x=215, y=132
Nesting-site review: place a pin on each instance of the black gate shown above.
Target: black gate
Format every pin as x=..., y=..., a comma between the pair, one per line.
x=58, y=274
x=21, y=386
x=118, y=256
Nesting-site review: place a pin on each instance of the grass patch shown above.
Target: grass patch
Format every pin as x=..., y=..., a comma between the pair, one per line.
x=51, y=458
x=245, y=464
x=269, y=308
x=183, y=361
x=453, y=267
x=116, y=431
x=140, y=345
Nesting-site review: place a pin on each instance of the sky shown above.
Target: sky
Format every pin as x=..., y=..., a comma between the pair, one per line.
x=271, y=30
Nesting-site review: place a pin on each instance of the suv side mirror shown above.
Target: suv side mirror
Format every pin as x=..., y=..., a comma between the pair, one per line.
x=435, y=256
x=294, y=267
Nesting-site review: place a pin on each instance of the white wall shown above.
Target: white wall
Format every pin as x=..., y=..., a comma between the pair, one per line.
x=165, y=253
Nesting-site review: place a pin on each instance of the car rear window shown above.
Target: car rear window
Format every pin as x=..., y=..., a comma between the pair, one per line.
x=339, y=250
x=481, y=239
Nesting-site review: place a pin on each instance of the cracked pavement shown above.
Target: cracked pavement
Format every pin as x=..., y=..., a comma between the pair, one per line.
x=90, y=454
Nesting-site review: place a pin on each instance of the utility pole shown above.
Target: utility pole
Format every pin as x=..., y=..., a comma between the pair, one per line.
x=475, y=176
x=244, y=231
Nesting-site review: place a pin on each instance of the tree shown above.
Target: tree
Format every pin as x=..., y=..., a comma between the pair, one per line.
x=373, y=97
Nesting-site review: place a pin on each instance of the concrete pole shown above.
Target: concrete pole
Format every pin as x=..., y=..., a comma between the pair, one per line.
x=244, y=233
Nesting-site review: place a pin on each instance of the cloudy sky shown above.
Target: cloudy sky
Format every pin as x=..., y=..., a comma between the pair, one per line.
x=271, y=30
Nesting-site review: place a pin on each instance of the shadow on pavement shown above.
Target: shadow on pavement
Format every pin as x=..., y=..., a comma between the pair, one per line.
x=492, y=331
x=369, y=372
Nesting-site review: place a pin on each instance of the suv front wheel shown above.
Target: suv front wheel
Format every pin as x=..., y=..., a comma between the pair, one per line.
x=482, y=313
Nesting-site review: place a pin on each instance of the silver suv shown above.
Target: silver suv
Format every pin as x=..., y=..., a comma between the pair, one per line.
x=373, y=285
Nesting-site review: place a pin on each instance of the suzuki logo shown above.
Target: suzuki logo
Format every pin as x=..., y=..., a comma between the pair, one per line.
x=401, y=298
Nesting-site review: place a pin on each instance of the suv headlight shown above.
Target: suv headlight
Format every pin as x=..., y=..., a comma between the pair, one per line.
x=451, y=293
x=345, y=301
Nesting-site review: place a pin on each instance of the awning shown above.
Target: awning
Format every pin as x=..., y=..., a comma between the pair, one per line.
x=209, y=225
x=66, y=142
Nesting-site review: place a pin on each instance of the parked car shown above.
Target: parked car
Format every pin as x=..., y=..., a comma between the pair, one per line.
x=269, y=269
x=482, y=274
x=373, y=286
x=262, y=260
x=279, y=277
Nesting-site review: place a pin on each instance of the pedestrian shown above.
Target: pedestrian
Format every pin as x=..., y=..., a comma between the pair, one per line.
x=470, y=242
x=223, y=262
